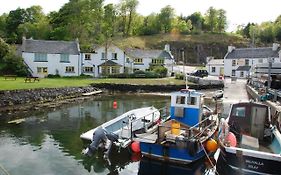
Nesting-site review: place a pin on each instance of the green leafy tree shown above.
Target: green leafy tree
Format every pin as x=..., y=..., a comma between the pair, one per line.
x=197, y=21
x=3, y=19
x=131, y=6
x=221, y=20
x=166, y=16
x=211, y=19
x=150, y=25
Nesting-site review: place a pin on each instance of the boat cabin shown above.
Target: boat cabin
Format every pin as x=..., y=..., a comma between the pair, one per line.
x=186, y=107
x=249, y=119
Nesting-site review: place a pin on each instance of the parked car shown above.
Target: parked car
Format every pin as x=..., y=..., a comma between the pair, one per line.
x=199, y=73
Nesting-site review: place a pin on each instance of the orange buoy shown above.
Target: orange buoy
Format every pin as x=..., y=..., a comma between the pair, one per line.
x=231, y=139
x=136, y=157
x=211, y=145
x=135, y=146
x=115, y=105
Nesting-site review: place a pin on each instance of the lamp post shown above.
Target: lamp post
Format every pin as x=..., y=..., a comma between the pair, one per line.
x=183, y=60
x=269, y=60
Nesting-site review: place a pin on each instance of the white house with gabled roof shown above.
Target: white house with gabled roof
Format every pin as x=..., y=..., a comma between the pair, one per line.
x=98, y=63
x=239, y=62
x=140, y=59
x=51, y=57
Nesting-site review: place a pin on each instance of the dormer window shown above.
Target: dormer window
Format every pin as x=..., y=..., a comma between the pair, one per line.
x=87, y=56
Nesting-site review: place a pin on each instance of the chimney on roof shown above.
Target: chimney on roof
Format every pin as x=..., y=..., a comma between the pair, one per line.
x=230, y=49
x=275, y=46
x=208, y=59
x=23, y=43
x=167, y=48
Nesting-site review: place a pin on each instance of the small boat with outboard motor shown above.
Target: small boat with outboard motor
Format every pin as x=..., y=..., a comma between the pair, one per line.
x=249, y=141
x=122, y=130
x=187, y=136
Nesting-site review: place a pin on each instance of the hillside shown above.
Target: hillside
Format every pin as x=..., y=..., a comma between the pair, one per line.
x=196, y=47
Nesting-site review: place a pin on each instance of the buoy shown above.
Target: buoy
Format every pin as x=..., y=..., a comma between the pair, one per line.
x=135, y=146
x=231, y=139
x=175, y=128
x=211, y=145
x=115, y=105
x=136, y=157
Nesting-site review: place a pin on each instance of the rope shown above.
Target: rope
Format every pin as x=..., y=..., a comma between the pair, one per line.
x=4, y=170
x=213, y=166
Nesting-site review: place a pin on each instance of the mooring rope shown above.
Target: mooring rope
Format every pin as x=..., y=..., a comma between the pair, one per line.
x=213, y=166
x=4, y=170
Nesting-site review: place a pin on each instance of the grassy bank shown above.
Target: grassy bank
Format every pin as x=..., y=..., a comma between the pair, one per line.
x=74, y=82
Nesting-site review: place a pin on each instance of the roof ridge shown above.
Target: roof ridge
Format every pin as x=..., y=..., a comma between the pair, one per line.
x=51, y=41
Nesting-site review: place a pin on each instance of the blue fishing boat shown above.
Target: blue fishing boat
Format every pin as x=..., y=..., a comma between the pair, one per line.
x=187, y=135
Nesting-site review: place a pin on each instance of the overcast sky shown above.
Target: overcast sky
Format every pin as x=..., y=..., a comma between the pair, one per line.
x=238, y=11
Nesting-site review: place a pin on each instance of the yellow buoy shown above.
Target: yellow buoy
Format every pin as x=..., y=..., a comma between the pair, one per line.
x=211, y=145
x=175, y=128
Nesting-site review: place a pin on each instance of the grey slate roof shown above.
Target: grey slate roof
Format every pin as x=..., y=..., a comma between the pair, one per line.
x=215, y=62
x=139, y=53
x=262, y=52
x=109, y=63
x=243, y=68
x=50, y=47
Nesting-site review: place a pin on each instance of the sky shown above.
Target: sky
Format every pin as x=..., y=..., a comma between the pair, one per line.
x=239, y=12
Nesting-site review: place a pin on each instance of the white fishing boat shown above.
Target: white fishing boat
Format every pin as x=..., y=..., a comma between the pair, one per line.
x=126, y=125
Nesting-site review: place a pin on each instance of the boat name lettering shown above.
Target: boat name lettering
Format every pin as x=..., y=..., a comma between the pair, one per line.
x=254, y=162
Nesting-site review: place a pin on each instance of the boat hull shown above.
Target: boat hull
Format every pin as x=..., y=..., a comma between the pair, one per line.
x=250, y=162
x=170, y=154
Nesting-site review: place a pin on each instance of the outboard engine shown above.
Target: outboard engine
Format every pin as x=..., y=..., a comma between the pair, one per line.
x=101, y=138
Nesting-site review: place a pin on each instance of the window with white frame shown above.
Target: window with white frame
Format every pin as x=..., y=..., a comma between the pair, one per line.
x=42, y=70
x=115, y=70
x=88, y=69
x=40, y=57
x=233, y=62
x=138, y=61
x=247, y=62
x=103, y=56
x=87, y=56
x=213, y=69
x=64, y=58
x=114, y=56
x=233, y=73
x=157, y=61
x=241, y=73
x=69, y=69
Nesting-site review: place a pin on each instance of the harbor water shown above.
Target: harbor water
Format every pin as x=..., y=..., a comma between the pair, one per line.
x=48, y=142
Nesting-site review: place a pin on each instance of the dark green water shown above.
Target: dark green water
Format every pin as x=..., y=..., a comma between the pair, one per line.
x=48, y=142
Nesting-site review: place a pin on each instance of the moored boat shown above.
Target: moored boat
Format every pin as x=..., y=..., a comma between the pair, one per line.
x=182, y=139
x=126, y=125
x=249, y=142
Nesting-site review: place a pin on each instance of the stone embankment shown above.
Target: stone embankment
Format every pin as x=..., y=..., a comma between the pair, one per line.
x=15, y=99
x=153, y=88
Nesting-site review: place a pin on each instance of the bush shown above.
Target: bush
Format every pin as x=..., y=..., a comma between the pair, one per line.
x=161, y=70
x=53, y=76
x=179, y=76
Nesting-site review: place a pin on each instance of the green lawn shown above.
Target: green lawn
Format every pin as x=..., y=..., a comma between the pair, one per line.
x=74, y=82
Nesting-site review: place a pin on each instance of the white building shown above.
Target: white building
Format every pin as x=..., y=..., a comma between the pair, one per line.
x=239, y=62
x=51, y=57
x=99, y=63
x=215, y=67
x=139, y=59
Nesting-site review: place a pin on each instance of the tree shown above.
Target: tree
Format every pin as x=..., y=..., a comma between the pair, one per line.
x=197, y=21
x=10, y=63
x=131, y=6
x=150, y=25
x=221, y=20
x=211, y=19
x=182, y=26
x=166, y=17
x=3, y=19
x=14, y=19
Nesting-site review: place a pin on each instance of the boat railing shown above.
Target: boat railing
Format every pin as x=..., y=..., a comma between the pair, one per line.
x=188, y=132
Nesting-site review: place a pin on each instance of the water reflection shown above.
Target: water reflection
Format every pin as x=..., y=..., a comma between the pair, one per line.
x=49, y=143
x=148, y=167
